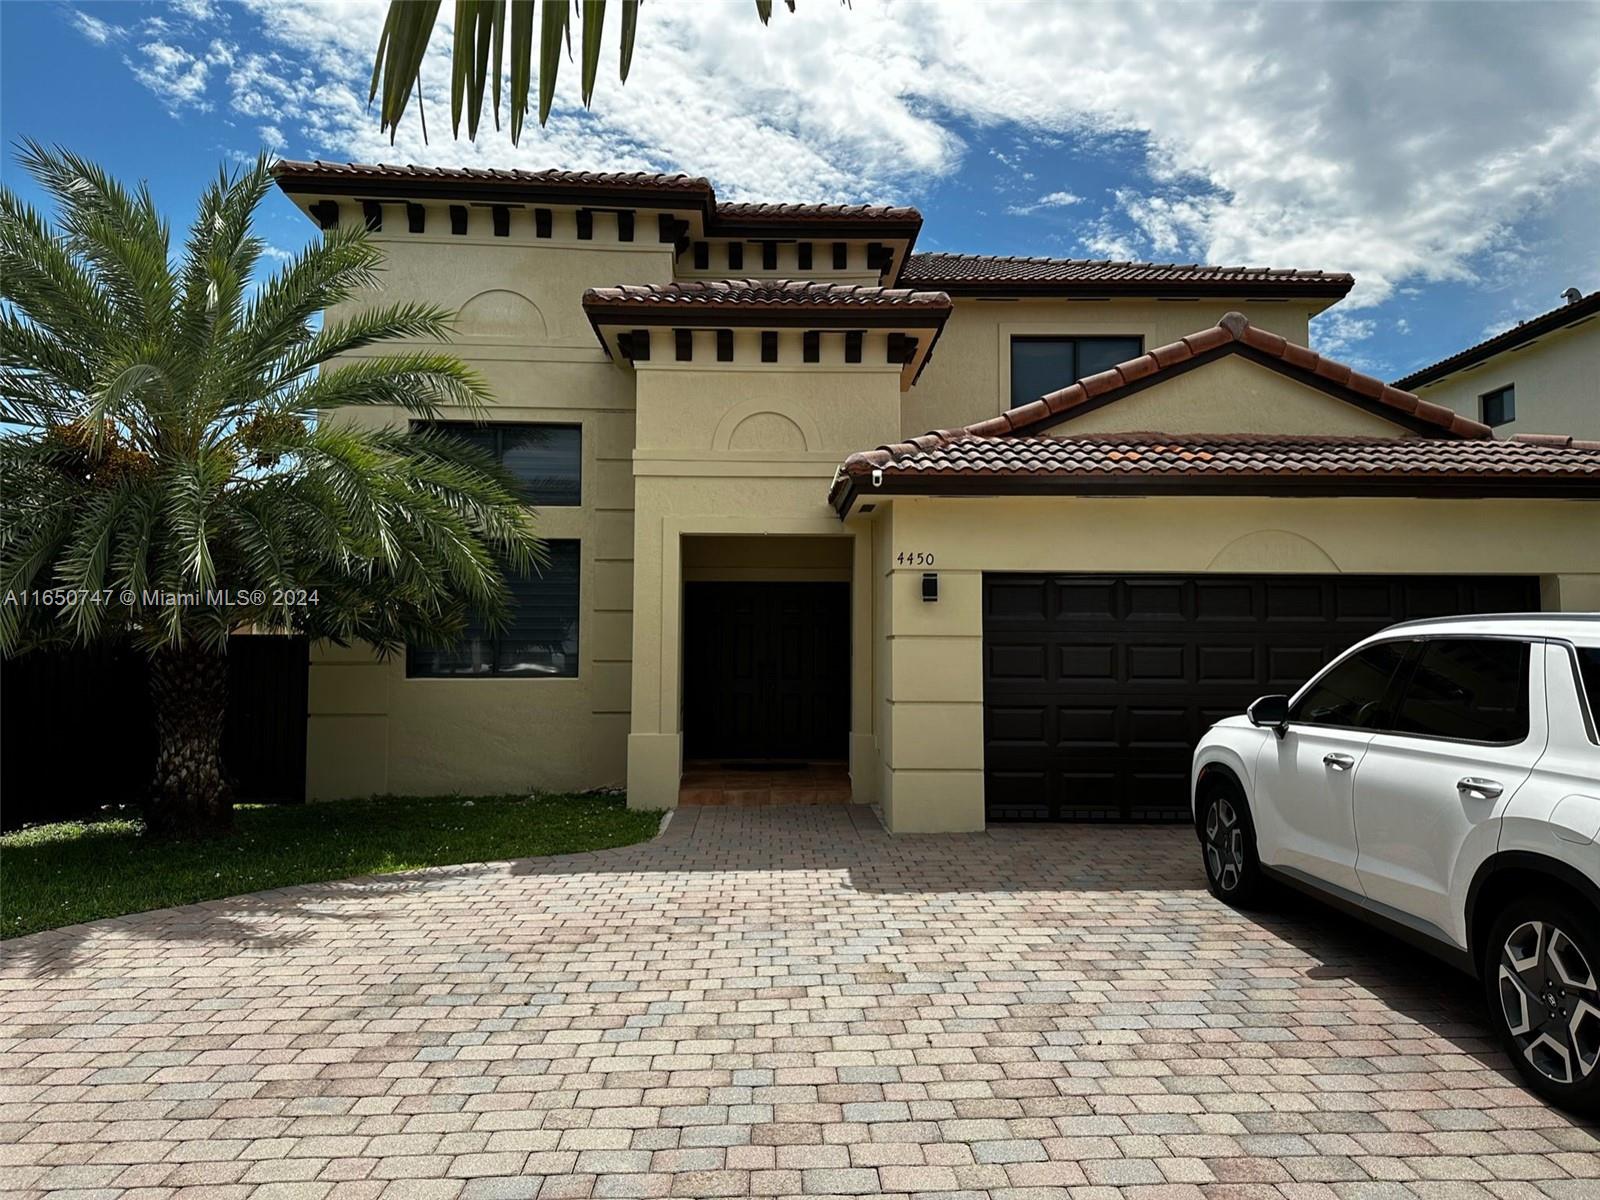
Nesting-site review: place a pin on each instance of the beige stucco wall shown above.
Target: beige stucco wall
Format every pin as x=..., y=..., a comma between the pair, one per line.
x=373, y=730
x=1230, y=395
x=969, y=378
x=1557, y=380
x=931, y=736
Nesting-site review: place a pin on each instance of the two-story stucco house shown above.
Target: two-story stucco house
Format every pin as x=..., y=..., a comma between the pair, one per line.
x=1148, y=502
x=1540, y=376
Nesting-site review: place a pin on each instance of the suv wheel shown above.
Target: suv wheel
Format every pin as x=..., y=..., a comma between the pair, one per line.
x=1228, y=845
x=1542, y=976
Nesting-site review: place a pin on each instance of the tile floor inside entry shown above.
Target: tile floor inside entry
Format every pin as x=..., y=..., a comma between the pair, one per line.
x=775, y=1001
x=733, y=784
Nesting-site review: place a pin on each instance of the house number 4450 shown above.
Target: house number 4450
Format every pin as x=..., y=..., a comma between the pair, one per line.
x=914, y=558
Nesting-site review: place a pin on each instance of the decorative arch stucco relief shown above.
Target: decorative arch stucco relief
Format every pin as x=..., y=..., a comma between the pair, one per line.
x=757, y=425
x=501, y=315
x=1273, y=550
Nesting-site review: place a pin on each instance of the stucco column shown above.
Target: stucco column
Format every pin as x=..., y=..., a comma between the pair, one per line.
x=935, y=685
x=655, y=746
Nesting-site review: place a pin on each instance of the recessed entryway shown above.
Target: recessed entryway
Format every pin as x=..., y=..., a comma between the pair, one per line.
x=766, y=671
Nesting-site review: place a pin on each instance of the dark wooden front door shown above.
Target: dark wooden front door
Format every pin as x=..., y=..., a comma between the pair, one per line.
x=766, y=670
x=1097, y=687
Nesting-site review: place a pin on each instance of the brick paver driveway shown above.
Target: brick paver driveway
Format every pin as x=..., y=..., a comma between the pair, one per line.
x=777, y=1002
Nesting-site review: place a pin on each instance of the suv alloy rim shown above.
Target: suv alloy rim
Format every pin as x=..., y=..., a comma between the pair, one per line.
x=1551, y=1001
x=1224, y=844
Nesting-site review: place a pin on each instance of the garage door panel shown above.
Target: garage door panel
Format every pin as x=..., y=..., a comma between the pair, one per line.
x=1157, y=663
x=1096, y=688
x=1093, y=727
x=1159, y=728
x=1087, y=601
x=1088, y=795
x=1018, y=725
x=1224, y=601
x=1021, y=600
x=1165, y=600
x=1227, y=664
x=1296, y=601
x=1019, y=795
x=1080, y=663
x=1023, y=662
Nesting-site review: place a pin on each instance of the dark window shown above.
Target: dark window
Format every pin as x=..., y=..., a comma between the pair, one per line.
x=540, y=635
x=1352, y=695
x=546, y=460
x=1475, y=689
x=1589, y=683
x=1499, y=406
x=1048, y=364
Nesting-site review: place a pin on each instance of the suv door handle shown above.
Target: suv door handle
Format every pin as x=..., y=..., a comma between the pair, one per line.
x=1339, y=762
x=1473, y=788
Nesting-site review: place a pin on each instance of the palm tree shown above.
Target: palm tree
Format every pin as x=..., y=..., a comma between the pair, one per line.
x=179, y=461
x=479, y=49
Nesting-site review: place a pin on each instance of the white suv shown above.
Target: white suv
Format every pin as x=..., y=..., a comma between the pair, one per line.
x=1442, y=779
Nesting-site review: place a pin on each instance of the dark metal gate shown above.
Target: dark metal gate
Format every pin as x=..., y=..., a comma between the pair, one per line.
x=76, y=731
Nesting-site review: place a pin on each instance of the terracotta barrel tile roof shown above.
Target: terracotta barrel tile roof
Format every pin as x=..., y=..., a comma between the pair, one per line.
x=982, y=272
x=1221, y=462
x=786, y=214
x=1230, y=454
x=290, y=171
x=790, y=295
x=1454, y=455
x=891, y=222
x=1581, y=309
x=1234, y=334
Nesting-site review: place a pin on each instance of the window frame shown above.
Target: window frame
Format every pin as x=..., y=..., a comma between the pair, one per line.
x=494, y=672
x=498, y=428
x=1588, y=706
x=1012, y=400
x=1388, y=698
x=1507, y=394
x=1408, y=669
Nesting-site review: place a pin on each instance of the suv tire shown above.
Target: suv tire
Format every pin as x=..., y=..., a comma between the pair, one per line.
x=1541, y=974
x=1228, y=845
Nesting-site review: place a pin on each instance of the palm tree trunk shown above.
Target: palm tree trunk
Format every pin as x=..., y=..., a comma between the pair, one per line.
x=190, y=795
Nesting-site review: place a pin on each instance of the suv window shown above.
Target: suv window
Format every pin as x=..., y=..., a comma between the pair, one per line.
x=1589, y=678
x=1352, y=694
x=1473, y=689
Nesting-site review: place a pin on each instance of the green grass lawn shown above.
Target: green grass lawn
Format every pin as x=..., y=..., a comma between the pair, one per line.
x=54, y=875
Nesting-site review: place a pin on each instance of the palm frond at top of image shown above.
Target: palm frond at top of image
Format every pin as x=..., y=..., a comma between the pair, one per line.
x=492, y=49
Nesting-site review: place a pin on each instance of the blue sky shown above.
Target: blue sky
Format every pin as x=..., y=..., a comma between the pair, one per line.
x=1447, y=155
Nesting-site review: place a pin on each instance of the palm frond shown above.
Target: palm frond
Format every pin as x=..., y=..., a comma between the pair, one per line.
x=478, y=55
x=174, y=437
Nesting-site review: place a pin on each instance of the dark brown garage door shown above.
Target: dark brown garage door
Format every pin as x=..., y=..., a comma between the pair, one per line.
x=1096, y=688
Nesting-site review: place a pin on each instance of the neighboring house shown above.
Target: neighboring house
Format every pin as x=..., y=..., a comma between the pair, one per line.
x=1541, y=377
x=755, y=554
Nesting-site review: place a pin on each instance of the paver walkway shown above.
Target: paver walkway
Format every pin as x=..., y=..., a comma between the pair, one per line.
x=764, y=1002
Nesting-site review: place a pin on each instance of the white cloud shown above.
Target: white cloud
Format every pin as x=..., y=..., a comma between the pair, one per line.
x=97, y=31
x=1407, y=143
x=1339, y=335
x=177, y=76
x=1049, y=200
x=272, y=137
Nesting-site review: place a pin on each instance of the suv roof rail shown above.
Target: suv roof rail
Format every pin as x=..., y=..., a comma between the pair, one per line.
x=1530, y=616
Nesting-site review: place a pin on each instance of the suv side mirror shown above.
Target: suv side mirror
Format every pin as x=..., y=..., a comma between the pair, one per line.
x=1272, y=712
